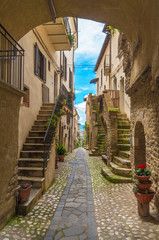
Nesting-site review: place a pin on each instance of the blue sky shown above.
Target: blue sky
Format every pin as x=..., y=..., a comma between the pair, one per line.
x=90, y=41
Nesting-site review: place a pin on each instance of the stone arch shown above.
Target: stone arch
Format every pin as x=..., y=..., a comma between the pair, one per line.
x=139, y=145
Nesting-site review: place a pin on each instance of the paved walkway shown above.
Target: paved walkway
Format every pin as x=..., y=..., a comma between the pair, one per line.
x=66, y=210
x=74, y=218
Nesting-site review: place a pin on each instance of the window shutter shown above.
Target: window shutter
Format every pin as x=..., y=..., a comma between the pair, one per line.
x=36, y=55
x=65, y=68
x=44, y=68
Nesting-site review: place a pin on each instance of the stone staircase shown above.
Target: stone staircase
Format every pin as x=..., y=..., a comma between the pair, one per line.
x=101, y=133
x=30, y=163
x=120, y=168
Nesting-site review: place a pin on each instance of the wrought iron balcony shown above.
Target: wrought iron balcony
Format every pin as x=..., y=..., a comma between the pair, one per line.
x=11, y=60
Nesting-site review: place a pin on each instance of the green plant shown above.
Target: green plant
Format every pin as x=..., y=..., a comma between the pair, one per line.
x=112, y=30
x=24, y=186
x=101, y=135
x=53, y=121
x=113, y=110
x=71, y=39
x=86, y=125
x=61, y=150
x=142, y=171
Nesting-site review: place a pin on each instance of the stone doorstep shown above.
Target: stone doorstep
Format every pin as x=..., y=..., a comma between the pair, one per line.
x=24, y=208
x=119, y=170
x=125, y=163
x=36, y=182
x=106, y=172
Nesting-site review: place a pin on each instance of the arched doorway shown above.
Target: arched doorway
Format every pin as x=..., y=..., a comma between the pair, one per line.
x=140, y=145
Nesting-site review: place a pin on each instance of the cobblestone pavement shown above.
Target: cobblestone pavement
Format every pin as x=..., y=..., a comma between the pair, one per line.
x=74, y=218
x=115, y=208
x=37, y=222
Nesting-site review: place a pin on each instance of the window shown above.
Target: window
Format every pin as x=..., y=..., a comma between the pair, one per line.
x=40, y=64
x=26, y=97
x=68, y=119
x=70, y=79
x=64, y=67
x=49, y=66
x=101, y=77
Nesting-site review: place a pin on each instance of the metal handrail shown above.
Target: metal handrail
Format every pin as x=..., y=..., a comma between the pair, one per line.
x=50, y=132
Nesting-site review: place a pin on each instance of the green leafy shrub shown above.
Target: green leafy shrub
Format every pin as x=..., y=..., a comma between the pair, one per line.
x=61, y=150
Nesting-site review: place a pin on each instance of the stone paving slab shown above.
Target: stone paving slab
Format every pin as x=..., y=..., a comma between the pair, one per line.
x=74, y=217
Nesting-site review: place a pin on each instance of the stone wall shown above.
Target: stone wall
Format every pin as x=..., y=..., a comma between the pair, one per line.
x=110, y=126
x=145, y=109
x=9, y=117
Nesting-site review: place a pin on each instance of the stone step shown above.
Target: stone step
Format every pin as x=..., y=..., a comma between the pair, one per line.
x=123, y=123
x=36, y=182
x=107, y=173
x=121, y=118
x=45, y=117
x=47, y=108
x=122, y=162
x=24, y=208
x=34, y=140
x=124, y=127
x=123, y=147
x=31, y=154
x=37, y=133
x=117, y=170
x=30, y=162
x=104, y=158
x=39, y=127
x=123, y=140
x=40, y=122
x=49, y=104
x=121, y=115
x=124, y=136
x=125, y=154
x=33, y=146
x=45, y=112
x=123, y=131
x=30, y=171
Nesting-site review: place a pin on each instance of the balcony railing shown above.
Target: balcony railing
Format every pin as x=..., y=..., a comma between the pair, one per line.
x=115, y=96
x=68, y=28
x=107, y=65
x=11, y=60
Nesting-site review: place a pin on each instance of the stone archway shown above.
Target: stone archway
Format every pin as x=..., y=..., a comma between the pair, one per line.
x=140, y=145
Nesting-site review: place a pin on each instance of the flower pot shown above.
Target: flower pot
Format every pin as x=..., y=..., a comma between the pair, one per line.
x=142, y=178
x=142, y=186
x=145, y=198
x=24, y=194
x=113, y=113
x=61, y=158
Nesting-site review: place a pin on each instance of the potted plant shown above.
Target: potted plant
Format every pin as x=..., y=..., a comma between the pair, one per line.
x=61, y=150
x=142, y=173
x=24, y=192
x=113, y=111
x=144, y=196
x=71, y=94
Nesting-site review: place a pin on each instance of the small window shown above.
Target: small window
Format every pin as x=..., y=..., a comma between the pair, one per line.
x=68, y=119
x=40, y=64
x=49, y=66
x=26, y=97
x=101, y=77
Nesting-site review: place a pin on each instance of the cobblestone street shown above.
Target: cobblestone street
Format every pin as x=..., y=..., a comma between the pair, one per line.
x=66, y=210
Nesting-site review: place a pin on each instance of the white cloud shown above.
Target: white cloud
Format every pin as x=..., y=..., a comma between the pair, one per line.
x=84, y=88
x=81, y=108
x=77, y=91
x=90, y=39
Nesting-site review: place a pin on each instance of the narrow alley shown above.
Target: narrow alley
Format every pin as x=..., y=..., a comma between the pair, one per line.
x=82, y=204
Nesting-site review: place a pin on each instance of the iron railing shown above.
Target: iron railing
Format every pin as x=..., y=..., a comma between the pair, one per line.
x=67, y=25
x=11, y=60
x=51, y=129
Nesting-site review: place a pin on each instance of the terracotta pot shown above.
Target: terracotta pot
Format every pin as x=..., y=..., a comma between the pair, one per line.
x=142, y=178
x=24, y=194
x=61, y=158
x=113, y=113
x=145, y=198
x=143, y=185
